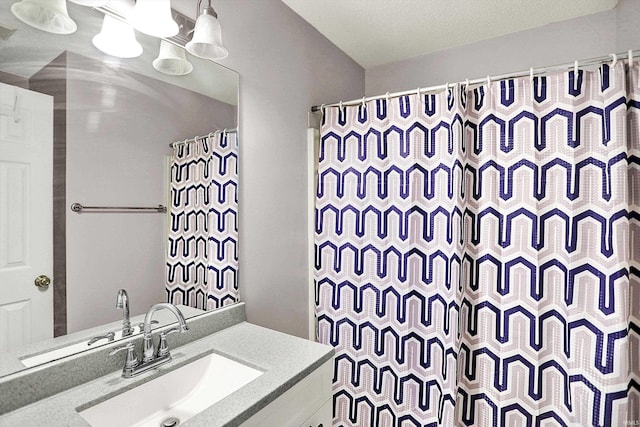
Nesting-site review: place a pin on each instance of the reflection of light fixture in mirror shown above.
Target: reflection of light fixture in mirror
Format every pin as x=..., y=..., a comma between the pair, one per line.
x=46, y=15
x=207, y=35
x=153, y=17
x=90, y=3
x=172, y=60
x=117, y=38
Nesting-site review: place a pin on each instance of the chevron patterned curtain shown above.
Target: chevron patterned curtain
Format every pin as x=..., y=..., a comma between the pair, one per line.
x=202, y=257
x=478, y=254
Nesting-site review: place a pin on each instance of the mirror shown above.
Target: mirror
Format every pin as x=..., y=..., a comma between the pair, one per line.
x=113, y=123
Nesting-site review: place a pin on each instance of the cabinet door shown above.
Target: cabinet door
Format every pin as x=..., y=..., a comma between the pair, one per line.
x=322, y=418
x=297, y=404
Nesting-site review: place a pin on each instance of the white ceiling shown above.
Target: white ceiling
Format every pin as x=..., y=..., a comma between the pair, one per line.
x=375, y=32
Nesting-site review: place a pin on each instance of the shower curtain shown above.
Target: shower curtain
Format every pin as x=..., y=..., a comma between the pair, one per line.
x=478, y=254
x=202, y=256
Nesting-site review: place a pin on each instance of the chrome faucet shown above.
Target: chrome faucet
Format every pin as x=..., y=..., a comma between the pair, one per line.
x=150, y=357
x=123, y=302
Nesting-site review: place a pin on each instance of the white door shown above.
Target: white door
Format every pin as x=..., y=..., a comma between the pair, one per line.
x=26, y=217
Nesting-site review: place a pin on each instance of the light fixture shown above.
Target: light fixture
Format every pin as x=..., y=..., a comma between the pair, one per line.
x=90, y=3
x=46, y=15
x=117, y=38
x=172, y=60
x=207, y=35
x=153, y=17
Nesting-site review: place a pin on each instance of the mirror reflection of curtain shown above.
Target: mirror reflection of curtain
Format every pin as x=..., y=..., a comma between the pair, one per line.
x=202, y=257
x=477, y=254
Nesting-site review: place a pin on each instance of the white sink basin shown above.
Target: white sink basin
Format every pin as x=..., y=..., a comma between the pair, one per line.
x=181, y=393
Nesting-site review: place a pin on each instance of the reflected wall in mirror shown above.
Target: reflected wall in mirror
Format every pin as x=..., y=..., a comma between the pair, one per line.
x=108, y=123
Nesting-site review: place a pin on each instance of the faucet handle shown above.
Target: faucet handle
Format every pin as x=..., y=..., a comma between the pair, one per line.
x=163, y=348
x=141, y=325
x=132, y=359
x=109, y=336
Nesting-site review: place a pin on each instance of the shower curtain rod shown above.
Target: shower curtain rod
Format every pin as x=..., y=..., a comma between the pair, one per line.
x=531, y=72
x=192, y=140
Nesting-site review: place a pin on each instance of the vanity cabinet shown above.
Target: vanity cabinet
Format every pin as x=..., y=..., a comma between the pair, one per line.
x=306, y=404
x=323, y=416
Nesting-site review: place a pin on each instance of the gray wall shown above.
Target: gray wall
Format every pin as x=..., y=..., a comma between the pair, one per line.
x=285, y=67
x=561, y=42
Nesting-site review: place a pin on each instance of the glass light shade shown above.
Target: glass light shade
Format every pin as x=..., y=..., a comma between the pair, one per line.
x=90, y=3
x=117, y=38
x=207, y=39
x=46, y=15
x=172, y=60
x=153, y=17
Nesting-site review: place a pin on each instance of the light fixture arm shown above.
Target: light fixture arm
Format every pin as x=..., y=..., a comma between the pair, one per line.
x=207, y=10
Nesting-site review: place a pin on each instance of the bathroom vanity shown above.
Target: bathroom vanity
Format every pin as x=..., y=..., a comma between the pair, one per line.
x=288, y=382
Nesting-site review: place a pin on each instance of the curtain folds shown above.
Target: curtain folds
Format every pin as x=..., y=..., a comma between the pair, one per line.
x=202, y=257
x=478, y=253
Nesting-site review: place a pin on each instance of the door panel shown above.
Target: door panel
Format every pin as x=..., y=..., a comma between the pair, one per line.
x=15, y=324
x=26, y=246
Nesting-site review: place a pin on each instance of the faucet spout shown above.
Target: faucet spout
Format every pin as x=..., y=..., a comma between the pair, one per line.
x=122, y=302
x=147, y=352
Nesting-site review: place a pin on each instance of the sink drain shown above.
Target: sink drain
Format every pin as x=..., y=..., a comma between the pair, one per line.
x=170, y=422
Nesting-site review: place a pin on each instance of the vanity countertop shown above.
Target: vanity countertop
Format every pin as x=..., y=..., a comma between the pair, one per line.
x=284, y=359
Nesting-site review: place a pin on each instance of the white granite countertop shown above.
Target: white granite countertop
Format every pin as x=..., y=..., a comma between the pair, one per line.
x=284, y=359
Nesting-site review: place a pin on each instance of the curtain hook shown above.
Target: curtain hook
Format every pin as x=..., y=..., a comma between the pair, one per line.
x=364, y=102
x=341, y=110
x=615, y=60
x=533, y=89
x=322, y=109
x=488, y=80
x=575, y=68
x=630, y=58
x=386, y=96
x=466, y=84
